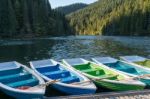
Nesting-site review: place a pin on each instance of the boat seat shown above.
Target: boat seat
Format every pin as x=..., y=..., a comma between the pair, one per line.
x=140, y=63
x=87, y=70
x=29, y=82
x=10, y=71
x=144, y=63
x=120, y=67
x=83, y=66
x=70, y=79
x=109, y=76
x=48, y=68
x=15, y=78
x=57, y=74
x=129, y=70
x=147, y=63
x=96, y=72
x=112, y=65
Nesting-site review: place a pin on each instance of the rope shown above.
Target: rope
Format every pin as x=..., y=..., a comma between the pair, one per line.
x=141, y=76
x=76, y=83
x=43, y=85
x=49, y=83
x=46, y=84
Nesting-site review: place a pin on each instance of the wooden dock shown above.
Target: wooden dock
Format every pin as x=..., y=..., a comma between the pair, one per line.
x=145, y=94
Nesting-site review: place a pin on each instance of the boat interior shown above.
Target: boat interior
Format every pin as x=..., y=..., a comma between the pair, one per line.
x=17, y=77
x=144, y=63
x=95, y=70
x=57, y=72
x=138, y=60
x=126, y=68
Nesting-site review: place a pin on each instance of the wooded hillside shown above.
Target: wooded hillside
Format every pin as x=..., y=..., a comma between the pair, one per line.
x=113, y=17
x=30, y=18
x=71, y=8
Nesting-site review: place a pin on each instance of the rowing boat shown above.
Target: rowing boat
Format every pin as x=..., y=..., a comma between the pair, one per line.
x=20, y=82
x=70, y=81
x=103, y=76
x=142, y=61
x=127, y=68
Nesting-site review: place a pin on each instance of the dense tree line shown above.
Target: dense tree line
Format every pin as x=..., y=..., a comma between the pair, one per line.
x=71, y=8
x=31, y=18
x=113, y=17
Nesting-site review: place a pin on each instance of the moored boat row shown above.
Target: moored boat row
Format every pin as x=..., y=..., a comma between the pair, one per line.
x=71, y=82
x=74, y=76
x=103, y=76
x=140, y=72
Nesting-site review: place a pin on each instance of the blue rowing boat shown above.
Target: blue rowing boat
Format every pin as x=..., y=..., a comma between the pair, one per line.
x=142, y=73
x=20, y=82
x=70, y=81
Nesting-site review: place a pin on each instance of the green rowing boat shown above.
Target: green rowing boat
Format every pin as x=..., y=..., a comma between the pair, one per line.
x=137, y=60
x=103, y=76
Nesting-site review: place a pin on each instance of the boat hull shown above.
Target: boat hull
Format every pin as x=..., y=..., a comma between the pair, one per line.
x=118, y=86
x=19, y=95
x=14, y=77
x=146, y=81
x=74, y=90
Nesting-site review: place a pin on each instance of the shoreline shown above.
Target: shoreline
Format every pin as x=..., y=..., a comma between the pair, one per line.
x=143, y=94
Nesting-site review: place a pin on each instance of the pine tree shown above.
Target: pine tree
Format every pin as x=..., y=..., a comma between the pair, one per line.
x=113, y=17
x=30, y=17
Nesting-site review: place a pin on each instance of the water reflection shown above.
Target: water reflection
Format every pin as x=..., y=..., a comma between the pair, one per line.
x=91, y=48
x=24, y=51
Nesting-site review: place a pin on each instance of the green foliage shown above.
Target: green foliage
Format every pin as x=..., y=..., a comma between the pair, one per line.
x=113, y=17
x=7, y=18
x=71, y=8
x=30, y=17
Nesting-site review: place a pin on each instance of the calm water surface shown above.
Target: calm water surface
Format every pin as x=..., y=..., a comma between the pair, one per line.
x=72, y=47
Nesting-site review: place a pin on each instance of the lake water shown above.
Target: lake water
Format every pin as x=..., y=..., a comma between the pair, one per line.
x=72, y=47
